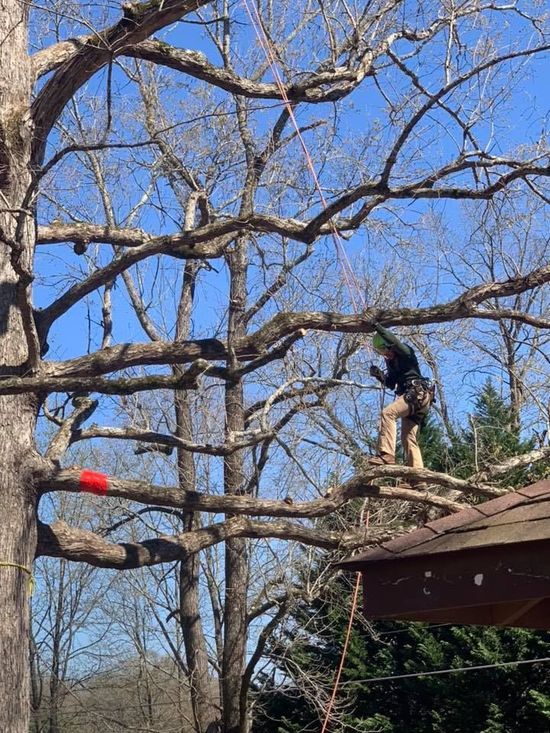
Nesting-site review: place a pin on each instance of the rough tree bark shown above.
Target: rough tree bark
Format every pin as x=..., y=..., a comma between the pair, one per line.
x=17, y=413
x=236, y=555
x=205, y=712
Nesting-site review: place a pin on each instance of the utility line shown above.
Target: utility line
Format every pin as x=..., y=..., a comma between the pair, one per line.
x=163, y=703
x=446, y=671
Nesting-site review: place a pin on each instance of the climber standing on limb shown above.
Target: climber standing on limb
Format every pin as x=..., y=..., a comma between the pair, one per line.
x=414, y=395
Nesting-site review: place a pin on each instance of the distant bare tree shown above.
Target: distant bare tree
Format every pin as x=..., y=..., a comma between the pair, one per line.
x=66, y=633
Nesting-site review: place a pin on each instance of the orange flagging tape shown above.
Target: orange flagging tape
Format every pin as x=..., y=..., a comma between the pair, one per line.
x=93, y=482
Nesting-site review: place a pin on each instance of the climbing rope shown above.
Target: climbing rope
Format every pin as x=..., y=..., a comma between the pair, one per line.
x=267, y=47
x=344, y=652
x=347, y=637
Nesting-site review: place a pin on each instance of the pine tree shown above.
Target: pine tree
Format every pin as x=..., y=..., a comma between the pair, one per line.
x=508, y=699
x=490, y=438
x=436, y=450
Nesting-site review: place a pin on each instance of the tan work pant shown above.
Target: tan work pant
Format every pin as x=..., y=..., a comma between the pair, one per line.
x=409, y=433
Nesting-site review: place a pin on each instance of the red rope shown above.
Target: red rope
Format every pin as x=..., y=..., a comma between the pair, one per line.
x=348, y=274
x=344, y=652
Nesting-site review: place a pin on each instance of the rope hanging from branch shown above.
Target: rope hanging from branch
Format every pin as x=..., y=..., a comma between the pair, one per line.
x=356, y=295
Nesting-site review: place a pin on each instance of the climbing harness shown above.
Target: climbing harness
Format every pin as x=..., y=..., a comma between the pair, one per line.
x=419, y=395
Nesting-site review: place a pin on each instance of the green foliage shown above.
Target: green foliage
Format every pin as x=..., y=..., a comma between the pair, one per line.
x=490, y=438
x=435, y=448
x=510, y=699
x=541, y=702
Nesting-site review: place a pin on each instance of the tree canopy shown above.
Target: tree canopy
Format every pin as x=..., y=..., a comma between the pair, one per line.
x=180, y=280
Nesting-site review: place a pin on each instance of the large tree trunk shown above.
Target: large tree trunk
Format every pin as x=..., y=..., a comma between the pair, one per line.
x=205, y=710
x=236, y=554
x=17, y=414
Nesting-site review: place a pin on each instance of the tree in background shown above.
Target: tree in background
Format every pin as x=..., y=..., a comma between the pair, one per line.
x=493, y=436
x=509, y=698
x=166, y=267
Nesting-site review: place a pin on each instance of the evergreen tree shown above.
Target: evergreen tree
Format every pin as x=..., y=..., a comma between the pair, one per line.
x=490, y=438
x=508, y=699
x=436, y=450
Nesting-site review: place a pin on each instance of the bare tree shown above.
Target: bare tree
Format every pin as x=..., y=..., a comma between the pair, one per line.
x=171, y=170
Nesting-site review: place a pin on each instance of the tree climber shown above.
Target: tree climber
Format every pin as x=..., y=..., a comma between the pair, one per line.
x=414, y=395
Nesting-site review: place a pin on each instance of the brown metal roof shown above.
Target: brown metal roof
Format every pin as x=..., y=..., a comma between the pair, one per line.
x=488, y=564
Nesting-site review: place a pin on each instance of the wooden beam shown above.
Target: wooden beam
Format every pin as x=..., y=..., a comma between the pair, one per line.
x=534, y=614
x=507, y=614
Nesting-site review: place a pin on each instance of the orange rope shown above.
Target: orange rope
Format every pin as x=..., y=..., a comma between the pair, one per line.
x=347, y=636
x=344, y=652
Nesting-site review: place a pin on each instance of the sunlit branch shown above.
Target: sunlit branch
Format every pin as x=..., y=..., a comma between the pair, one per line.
x=101, y=385
x=284, y=324
x=511, y=464
x=69, y=480
x=140, y=20
x=78, y=545
x=171, y=441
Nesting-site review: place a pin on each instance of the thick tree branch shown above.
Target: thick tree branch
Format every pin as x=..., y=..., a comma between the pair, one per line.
x=511, y=464
x=140, y=21
x=122, y=386
x=361, y=485
x=381, y=191
x=317, y=87
x=284, y=324
x=78, y=545
x=84, y=408
x=170, y=441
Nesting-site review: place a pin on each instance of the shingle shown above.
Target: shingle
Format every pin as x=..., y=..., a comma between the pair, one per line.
x=374, y=553
x=404, y=542
x=501, y=504
x=538, y=489
x=452, y=521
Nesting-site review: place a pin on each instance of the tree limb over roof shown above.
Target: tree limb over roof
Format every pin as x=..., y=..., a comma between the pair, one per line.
x=60, y=540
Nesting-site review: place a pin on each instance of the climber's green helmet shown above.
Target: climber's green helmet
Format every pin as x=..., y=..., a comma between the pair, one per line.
x=380, y=344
